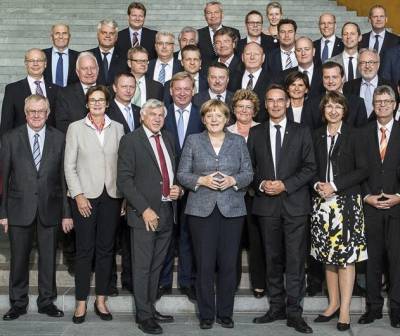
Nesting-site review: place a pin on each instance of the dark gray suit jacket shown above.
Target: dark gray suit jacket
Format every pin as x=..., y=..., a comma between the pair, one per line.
x=26, y=191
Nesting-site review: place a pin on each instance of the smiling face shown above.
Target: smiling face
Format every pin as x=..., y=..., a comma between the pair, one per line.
x=368, y=65
x=253, y=57
x=274, y=15
x=36, y=114
x=224, y=45
x=136, y=18
x=350, y=36
x=87, y=70
x=384, y=106
x=327, y=25
x=191, y=61
x=165, y=47
x=297, y=89
x=182, y=92
x=35, y=63
x=254, y=25
x=332, y=79
x=217, y=80
x=213, y=15
x=107, y=37
x=125, y=89
x=333, y=112
x=60, y=36
x=276, y=103
x=214, y=121
x=97, y=103
x=244, y=111
x=153, y=119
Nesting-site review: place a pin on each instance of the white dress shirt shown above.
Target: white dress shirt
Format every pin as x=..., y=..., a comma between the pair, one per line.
x=292, y=58
x=346, y=60
x=54, y=61
x=297, y=114
x=32, y=85
x=212, y=32
x=168, y=69
x=246, y=78
x=272, y=136
x=310, y=72
x=380, y=39
x=214, y=95
x=331, y=44
x=109, y=56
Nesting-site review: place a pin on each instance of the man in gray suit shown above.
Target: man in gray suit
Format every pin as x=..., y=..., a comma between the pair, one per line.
x=34, y=202
x=146, y=175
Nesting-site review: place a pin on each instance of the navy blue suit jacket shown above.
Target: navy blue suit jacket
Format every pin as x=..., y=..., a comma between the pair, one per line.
x=176, y=67
x=337, y=49
x=147, y=41
x=72, y=56
x=390, y=68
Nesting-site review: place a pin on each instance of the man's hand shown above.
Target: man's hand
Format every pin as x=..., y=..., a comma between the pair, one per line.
x=373, y=200
x=273, y=188
x=4, y=222
x=84, y=206
x=390, y=202
x=67, y=224
x=174, y=192
x=150, y=219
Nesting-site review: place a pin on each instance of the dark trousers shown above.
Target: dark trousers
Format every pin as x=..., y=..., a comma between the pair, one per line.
x=21, y=240
x=95, y=237
x=148, y=254
x=383, y=239
x=285, y=251
x=216, y=242
x=68, y=242
x=182, y=242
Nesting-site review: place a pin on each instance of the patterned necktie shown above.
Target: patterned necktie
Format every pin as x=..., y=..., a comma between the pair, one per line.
x=278, y=147
x=289, y=63
x=219, y=97
x=163, y=166
x=383, y=143
x=135, y=40
x=325, y=52
x=105, y=65
x=129, y=116
x=60, y=70
x=36, y=151
x=250, y=82
x=137, y=98
x=181, y=127
x=376, y=44
x=368, y=97
x=39, y=90
x=350, y=69
x=161, y=75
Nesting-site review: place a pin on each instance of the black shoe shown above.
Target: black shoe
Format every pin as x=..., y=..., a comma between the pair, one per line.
x=342, y=326
x=299, y=325
x=14, y=313
x=103, y=316
x=164, y=290
x=225, y=322
x=163, y=318
x=324, y=318
x=206, y=324
x=113, y=292
x=270, y=317
x=369, y=317
x=258, y=294
x=51, y=310
x=150, y=326
x=395, y=319
x=189, y=292
x=79, y=319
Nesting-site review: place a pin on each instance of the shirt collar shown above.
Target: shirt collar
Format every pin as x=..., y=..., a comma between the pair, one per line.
x=122, y=106
x=258, y=40
x=282, y=123
x=381, y=34
x=339, y=131
x=31, y=132
x=111, y=51
x=285, y=51
x=107, y=122
x=149, y=133
x=32, y=80
x=228, y=61
x=170, y=62
x=373, y=81
x=131, y=31
x=187, y=108
x=214, y=95
x=346, y=55
x=212, y=31
x=331, y=39
x=309, y=70
x=55, y=51
x=388, y=126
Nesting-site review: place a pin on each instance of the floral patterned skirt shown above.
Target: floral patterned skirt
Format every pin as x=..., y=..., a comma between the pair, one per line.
x=337, y=230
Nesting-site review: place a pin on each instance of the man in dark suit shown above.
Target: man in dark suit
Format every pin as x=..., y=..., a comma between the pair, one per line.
x=183, y=119
x=390, y=69
x=368, y=66
x=283, y=161
x=187, y=36
x=136, y=35
x=213, y=13
x=379, y=38
x=146, y=88
x=283, y=58
x=218, y=79
x=162, y=68
x=329, y=44
x=254, y=26
x=12, y=111
x=382, y=206
x=34, y=203
x=71, y=101
x=191, y=63
x=304, y=51
x=61, y=60
x=110, y=60
x=253, y=77
x=146, y=175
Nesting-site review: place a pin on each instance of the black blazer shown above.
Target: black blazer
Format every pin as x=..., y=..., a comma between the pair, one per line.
x=316, y=86
x=390, y=69
x=259, y=89
x=117, y=65
x=147, y=41
x=139, y=177
x=389, y=41
x=26, y=191
x=296, y=169
x=354, y=86
x=176, y=67
x=201, y=97
x=206, y=46
x=267, y=43
x=115, y=114
x=71, y=106
x=306, y=118
x=382, y=176
x=72, y=57
x=154, y=89
x=349, y=164
x=338, y=47
x=12, y=111
x=273, y=64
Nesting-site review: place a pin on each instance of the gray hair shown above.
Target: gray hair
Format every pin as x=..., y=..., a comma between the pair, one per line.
x=35, y=49
x=382, y=89
x=188, y=29
x=108, y=22
x=60, y=24
x=152, y=104
x=164, y=33
x=371, y=50
x=85, y=54
x=213, y=3
x=34, y=99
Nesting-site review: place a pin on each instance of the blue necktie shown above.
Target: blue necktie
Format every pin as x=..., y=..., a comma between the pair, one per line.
x=376, y=44
x=278, y=147
x=325, y=52
x=36, y=151
x=129, y=117
x=181, y=128
x=60, y=70
x=105, y=65
x=161, y=75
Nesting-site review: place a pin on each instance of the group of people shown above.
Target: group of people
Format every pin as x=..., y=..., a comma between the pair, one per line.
x=275, y=142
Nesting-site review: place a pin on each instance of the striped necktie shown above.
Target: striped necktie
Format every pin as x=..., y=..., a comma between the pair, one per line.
x=39, y=90
x=161, y=75
x=37, y=156
x=289, y=63
x=383, y=143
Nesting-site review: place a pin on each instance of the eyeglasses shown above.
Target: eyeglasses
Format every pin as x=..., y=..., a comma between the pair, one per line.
x=165, y=44
x=41, y=60
x=369, y=63
x=94, y=101
x=139, y=61
x=244, y=107
x=36, y=112
x=383, y=101
x=330, y=108
x=254, y=23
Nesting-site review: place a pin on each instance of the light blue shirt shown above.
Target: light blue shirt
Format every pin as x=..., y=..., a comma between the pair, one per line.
x=54, y=60
x=371, y=42
x=42, y=136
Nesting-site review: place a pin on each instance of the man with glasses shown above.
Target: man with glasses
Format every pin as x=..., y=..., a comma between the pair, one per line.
x=12, y=112
x=380, y=193
x=146, y=88
x=34, y=205
x=164, y=66
x=329, y=44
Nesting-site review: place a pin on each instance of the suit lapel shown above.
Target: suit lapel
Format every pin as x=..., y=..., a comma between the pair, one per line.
x=148, y=148
x=392, y=147
x=46, y=150
x=170, y=150
x=27, y=145
x=81, y=95
x=25, y=88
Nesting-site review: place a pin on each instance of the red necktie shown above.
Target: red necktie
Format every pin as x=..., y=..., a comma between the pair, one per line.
x=163, y=166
